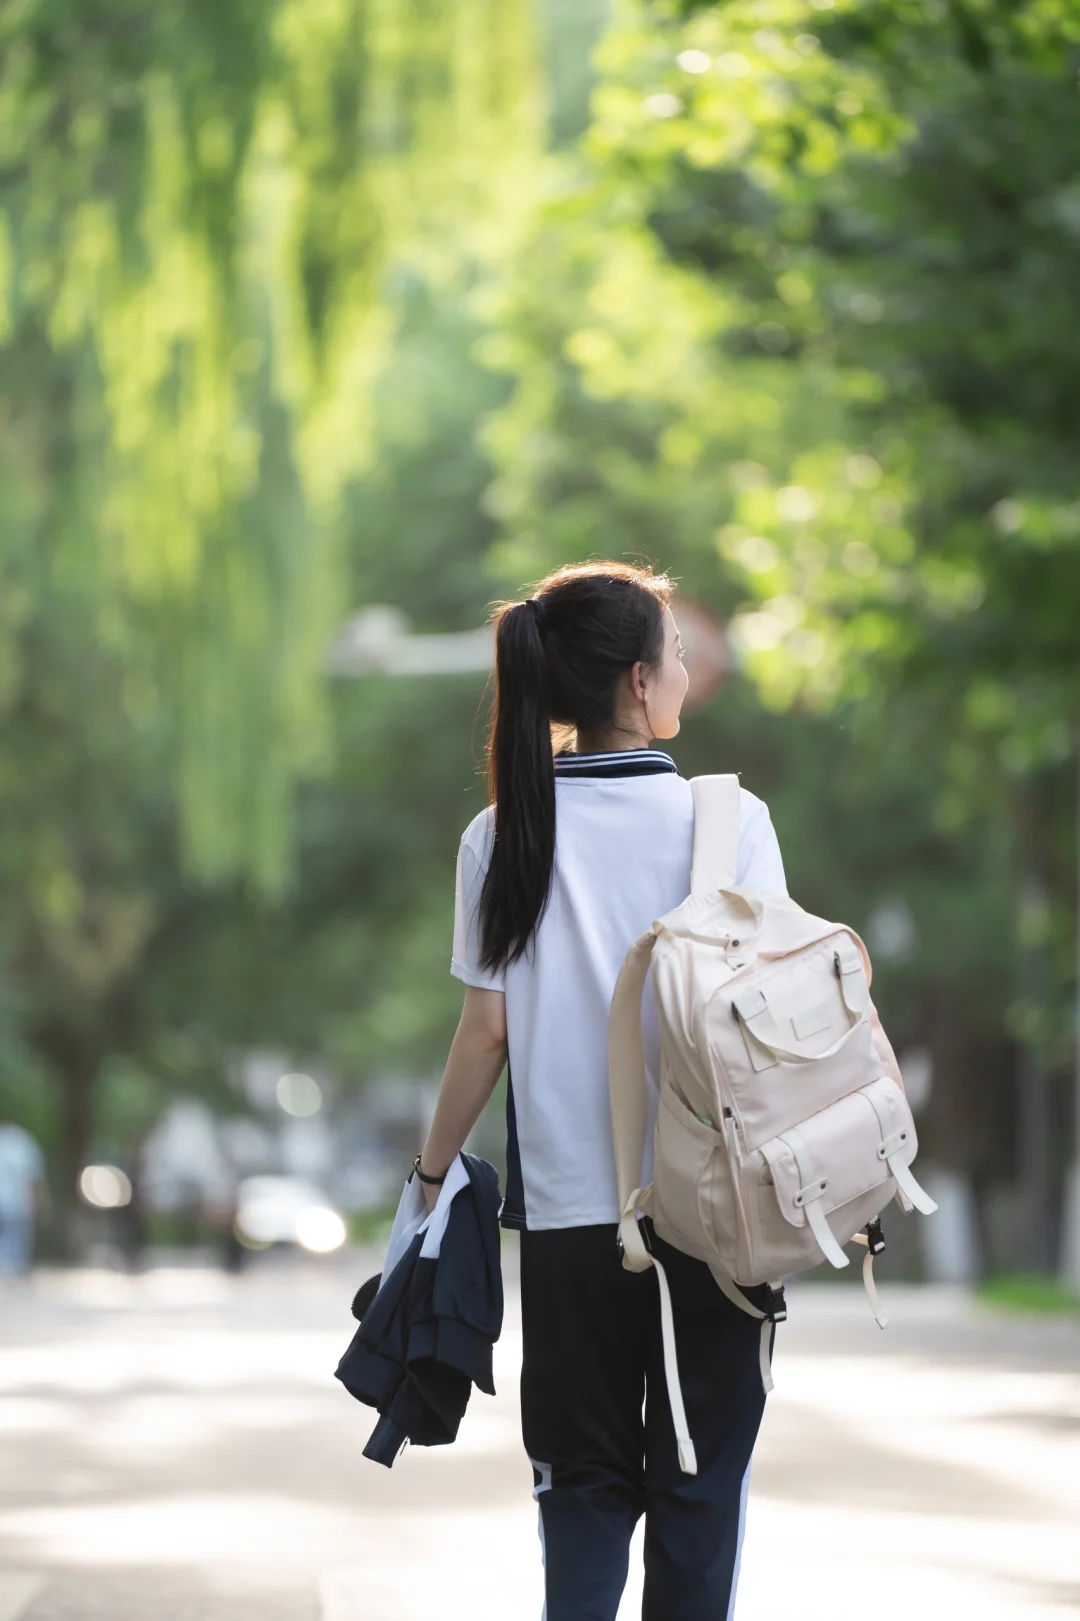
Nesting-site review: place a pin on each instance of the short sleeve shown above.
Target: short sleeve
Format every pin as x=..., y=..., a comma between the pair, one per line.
x=760, y=861
x=465, y=963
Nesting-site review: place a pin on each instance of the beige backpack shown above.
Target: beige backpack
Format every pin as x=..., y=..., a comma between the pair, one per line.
x=782, y=1128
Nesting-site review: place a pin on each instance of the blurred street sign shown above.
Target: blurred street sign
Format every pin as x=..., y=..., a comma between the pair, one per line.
x=379, y=640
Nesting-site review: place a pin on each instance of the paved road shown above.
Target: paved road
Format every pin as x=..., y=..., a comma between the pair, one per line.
x=174, y=1449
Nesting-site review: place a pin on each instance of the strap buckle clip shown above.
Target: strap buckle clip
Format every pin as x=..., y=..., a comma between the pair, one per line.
x=775, y=1307
x=875, y=1238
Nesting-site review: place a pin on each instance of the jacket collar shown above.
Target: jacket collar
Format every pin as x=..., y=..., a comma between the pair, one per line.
x=617, y=763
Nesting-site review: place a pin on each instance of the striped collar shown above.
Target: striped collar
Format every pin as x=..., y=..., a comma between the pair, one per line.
x=616, y=763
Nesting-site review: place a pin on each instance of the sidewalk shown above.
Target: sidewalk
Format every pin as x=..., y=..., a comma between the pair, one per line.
x=176, y=1448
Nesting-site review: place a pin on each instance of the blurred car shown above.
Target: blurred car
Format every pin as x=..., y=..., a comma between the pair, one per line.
x=286, y=1210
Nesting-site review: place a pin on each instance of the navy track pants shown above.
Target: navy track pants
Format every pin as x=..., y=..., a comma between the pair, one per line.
x=593, y=1359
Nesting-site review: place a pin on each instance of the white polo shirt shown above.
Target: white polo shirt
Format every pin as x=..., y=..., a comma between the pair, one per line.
x=623, y=843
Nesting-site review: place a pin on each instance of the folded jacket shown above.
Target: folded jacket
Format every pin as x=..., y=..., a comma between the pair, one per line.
x=429, y=1322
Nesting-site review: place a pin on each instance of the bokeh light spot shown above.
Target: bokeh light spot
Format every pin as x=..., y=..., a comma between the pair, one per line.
x=320, y=1229
x=106, y=1187
x=299, y=1094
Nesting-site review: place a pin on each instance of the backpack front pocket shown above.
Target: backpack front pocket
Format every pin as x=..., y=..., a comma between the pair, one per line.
x=820, y=1051
x=828, y=1166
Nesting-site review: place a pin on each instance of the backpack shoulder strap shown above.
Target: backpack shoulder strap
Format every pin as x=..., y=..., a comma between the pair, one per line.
x=716, y=833
x=716, y=851
x=626, y=1083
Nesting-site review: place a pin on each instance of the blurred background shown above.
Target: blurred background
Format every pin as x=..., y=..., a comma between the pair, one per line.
x=324, y=323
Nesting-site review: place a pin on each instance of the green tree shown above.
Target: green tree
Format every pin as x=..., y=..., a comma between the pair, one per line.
x=125, y=981
x=199, y=209
x=209, y=221
x=795, y=324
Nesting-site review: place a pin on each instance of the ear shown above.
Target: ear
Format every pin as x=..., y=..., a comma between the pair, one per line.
x=637, y=681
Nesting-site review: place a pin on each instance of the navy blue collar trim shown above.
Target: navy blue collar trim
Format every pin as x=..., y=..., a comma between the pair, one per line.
x=617, y=763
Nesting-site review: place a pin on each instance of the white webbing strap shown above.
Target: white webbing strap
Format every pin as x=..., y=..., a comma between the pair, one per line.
x=756, y=1019
x=764, y=1358
x=687, y=1455
x=869, y=1285
x=716, y=833
x=626, y=1086
x=716, y=847
x=892, y=1142
x=716, y=851
x=912, y=1190
x=729, y=1287
x=636, y=1257
x=626, y=1069
x=826, y=1242
x=811, y=1191
x=854, y=986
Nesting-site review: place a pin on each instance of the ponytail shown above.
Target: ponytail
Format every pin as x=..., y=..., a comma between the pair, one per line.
x=559, y=657
x=521, y=783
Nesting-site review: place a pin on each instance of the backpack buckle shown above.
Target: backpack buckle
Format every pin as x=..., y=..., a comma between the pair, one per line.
x=775, y=1304
x=875, y=1238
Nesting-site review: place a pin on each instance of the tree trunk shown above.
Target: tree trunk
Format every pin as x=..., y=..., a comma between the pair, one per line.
x=77, y=1065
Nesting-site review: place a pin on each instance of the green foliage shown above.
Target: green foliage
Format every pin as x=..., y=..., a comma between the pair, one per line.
x=794, y=323
x=830, y=296
x=124, y=982
x=295, y=316
x=210, y=219
x=199, y=207
x=1024, y=1293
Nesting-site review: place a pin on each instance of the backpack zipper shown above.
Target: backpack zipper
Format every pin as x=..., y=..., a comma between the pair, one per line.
x=736, y=1129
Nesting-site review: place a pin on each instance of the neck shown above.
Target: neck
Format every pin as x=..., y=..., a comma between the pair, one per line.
x=614, y=742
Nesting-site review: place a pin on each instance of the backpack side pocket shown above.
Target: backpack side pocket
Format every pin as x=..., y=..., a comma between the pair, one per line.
x=696, y=1206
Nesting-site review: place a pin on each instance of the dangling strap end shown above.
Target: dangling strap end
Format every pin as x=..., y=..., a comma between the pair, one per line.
x=872, y=1295
x=823, y=1233
x=684, y=1445
x=907, y=1184
x=765, y=1357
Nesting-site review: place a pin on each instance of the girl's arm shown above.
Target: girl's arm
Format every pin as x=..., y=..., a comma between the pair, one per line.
x=477, y=1057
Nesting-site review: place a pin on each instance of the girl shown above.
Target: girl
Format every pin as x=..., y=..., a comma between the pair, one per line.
x=577, y=854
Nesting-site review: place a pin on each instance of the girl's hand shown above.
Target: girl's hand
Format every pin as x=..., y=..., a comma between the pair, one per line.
x=431, y=1196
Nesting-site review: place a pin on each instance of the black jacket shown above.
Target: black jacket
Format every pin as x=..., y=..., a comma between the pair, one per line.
x=426, y=1337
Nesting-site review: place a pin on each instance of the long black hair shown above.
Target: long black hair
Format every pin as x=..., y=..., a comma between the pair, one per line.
x=558, y=659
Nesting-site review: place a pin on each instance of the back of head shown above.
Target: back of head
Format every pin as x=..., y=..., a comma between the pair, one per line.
x=559, y=658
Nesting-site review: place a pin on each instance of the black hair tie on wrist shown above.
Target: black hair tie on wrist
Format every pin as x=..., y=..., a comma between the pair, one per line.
x=432, y=1181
